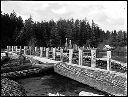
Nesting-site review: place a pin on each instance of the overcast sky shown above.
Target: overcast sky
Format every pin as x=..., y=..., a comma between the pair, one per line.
x=109, y=15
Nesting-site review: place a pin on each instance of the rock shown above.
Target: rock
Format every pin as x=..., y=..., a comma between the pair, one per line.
x=57, y=94
x=11, y=88
x=83, y=93
x=4, y=58
x=21, y=58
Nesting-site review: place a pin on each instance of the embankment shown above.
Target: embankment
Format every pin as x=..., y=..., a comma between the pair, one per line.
x=111, y=82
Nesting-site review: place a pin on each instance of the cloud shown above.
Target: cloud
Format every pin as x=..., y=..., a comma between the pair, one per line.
x=107, y=14
x=62, y=10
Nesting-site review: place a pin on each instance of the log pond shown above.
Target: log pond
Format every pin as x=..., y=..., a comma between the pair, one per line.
x=42, y=85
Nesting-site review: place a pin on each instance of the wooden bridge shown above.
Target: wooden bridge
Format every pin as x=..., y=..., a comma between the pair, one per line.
x=83, y=59
x=42, y=54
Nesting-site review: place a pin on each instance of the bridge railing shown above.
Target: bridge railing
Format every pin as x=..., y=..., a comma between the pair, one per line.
x=82, y=56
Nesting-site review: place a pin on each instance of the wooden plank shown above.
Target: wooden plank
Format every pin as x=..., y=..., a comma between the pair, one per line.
x=104, y=59
x=87, y=56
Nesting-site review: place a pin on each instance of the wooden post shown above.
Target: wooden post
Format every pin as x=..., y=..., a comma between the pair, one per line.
x=30, y=49
x=16, y=48
x=93, y=58
x=41, y=51
x=80, y=56
x=7, y=48
x=66, y=44
x=70, y=55
x=25, y=47
x=12, y=49
x=108, y=60
x=47, y=52
x=70, y=44
x=35, y=50
x=54, y=53
x=61, y=54
x=20, y=48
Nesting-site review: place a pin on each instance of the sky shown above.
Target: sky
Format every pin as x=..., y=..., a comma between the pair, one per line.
x=109, y=15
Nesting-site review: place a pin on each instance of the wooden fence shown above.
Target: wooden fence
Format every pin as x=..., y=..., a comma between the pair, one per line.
x=62, y=52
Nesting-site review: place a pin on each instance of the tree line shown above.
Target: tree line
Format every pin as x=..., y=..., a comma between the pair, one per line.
x=15, y=31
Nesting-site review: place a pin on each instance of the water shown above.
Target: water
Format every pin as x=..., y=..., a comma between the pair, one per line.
x=54, y=83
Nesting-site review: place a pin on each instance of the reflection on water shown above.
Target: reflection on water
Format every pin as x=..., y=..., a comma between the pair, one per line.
x=54, y=83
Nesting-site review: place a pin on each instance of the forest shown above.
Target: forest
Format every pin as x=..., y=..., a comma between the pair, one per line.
x=52, y=33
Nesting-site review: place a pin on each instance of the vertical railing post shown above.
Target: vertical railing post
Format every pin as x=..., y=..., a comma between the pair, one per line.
x=44, y=51
x=108, y=60
x=12, y=49
x=35, y=51
x=7, y=48
x=16, y=49
x=61, y=54
x=20, y=48
x=30, y=50
x=80, y=56
x=25, y=47
x=54, y=53
x=41, y=51
x=70, y=55
x=93, y=58
x=47, y=52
